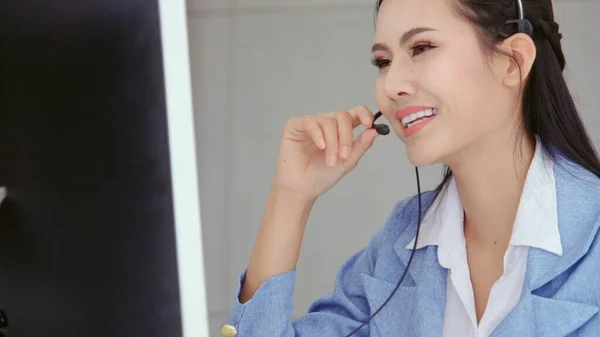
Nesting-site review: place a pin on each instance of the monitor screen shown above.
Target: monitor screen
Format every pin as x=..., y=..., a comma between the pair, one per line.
x=100, y=225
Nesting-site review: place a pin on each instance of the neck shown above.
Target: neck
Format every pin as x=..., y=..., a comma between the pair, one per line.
x=490, y=177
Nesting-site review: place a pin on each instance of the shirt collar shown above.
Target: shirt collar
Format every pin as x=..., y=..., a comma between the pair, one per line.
x=536, y=223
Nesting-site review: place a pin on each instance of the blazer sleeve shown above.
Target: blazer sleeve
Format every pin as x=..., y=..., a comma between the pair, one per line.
x=269, y=311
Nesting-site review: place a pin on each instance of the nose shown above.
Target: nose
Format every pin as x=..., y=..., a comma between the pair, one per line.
x=398, y=82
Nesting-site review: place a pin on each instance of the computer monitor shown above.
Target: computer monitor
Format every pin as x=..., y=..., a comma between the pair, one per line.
x=100, y=228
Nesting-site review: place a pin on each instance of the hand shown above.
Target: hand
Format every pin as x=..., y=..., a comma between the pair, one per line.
x=316, y=151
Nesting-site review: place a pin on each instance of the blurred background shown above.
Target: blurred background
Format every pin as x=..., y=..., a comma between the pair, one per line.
x=257, y=63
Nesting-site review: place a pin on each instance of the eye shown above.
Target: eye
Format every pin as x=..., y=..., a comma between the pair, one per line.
x=421, y=47
x=380, y=62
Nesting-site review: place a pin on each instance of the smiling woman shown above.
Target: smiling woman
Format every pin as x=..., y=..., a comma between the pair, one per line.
x=504, y=245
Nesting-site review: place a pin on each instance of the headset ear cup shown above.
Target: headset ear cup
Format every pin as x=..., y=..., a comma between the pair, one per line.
x=526, y=27
x=522, y=26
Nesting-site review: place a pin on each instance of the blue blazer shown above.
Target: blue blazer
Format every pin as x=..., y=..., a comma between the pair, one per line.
x=561, y=294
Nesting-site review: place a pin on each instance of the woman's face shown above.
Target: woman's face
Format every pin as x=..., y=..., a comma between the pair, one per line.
x=432, y=65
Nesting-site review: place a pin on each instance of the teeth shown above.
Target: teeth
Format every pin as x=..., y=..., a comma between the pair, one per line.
x=409, y=120
x=414, y=123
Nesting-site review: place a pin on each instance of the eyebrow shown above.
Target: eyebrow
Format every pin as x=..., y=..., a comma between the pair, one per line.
x=405, y=37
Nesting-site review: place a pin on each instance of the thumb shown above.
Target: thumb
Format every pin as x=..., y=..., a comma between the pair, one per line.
x=360, y=146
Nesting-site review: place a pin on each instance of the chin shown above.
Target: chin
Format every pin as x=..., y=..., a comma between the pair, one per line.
x=422, y=155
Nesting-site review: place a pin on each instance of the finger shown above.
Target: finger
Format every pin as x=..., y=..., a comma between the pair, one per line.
x=361, y=145
x=330, y=132
x=311, y=126
x=361, y=115
x=345, y=133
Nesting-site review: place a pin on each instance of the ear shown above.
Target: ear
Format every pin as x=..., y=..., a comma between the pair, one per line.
x=522, y=51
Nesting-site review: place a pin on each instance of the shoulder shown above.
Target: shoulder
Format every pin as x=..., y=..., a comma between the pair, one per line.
x=578, y=215
x=577, y=202
x=574, y=177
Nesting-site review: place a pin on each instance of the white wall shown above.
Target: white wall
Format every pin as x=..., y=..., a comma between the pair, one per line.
x=257, y=63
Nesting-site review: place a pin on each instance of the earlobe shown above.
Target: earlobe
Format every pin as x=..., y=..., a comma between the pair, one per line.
x=522, y=50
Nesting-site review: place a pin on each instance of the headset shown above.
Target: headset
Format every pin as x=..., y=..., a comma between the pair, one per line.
x=523, y=26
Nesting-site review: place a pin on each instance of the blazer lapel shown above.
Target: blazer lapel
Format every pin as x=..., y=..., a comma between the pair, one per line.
x=390, y=321
x=578, y=215
x=428, y=316
x=544, y=317
x=417, y=307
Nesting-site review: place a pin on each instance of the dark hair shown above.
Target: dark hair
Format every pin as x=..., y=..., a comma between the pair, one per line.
x=549, y=111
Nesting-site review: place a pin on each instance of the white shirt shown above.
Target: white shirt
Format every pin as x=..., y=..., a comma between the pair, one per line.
x=536, y=225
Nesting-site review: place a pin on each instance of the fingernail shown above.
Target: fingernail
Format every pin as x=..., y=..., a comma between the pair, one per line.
x=345, y=152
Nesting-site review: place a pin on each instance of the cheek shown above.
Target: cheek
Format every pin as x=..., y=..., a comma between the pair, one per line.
x=469, y=88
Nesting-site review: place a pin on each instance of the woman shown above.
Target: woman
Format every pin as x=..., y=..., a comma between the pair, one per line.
x=509, y=246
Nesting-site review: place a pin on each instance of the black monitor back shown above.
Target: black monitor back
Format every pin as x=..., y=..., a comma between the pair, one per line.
x=87, y=242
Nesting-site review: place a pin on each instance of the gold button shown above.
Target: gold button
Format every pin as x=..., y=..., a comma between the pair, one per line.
x=228, y=330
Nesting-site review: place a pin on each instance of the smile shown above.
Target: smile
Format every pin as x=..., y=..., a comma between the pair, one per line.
x=418, y=117
x=415, y=117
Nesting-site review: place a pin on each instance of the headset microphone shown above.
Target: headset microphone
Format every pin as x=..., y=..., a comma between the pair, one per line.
x=382, y=129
